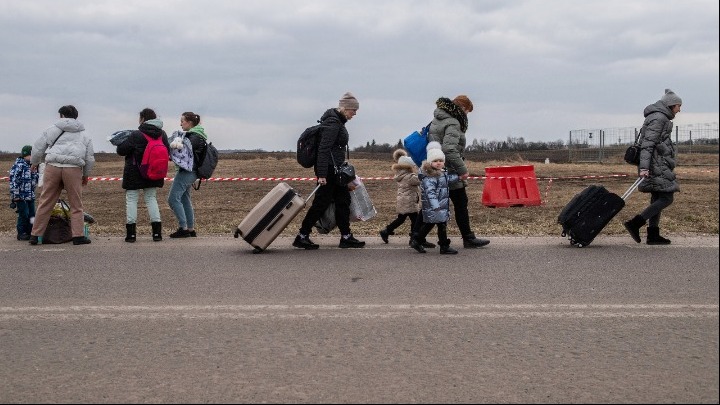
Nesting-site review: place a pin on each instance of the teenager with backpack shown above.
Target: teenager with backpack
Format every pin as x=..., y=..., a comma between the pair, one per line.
x=146, y=152
x=331, y=147
x=179, y=196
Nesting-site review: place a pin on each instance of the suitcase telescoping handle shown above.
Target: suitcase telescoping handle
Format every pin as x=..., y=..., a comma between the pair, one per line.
x=311, y=194
x=632, y=188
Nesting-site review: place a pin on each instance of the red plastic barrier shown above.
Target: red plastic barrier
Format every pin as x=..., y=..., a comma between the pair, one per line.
x=511, y=186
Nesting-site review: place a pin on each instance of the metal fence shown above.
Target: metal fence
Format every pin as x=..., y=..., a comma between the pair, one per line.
x=601, y=144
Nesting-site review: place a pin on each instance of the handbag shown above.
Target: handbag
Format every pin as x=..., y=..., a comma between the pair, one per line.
x=632, y=153
x=58, y=229
x=345, y=173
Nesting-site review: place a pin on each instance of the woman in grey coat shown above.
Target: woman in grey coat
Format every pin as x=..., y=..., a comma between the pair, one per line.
x=657, y=164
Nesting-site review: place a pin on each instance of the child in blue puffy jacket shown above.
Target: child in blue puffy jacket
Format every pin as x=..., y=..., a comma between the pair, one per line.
x=22, y=192
x=434, y=184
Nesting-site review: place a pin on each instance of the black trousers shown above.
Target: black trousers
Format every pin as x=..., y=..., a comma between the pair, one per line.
x=425, y=228
x=392, y=226
x=459, y=200
x=330, y=192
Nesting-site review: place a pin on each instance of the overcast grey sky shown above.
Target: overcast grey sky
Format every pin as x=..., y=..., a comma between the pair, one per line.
x=259, y=72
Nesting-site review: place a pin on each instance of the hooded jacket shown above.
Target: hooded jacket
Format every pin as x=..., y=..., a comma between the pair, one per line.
x=435, y=193
x=22, y=181
x=133, y=149
x=333, y=141
x=658, y=154
x=73, y=147
x=448, y=128
x=408, y=192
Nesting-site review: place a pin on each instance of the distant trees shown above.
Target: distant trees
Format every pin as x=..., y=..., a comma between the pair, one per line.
x=511, y=144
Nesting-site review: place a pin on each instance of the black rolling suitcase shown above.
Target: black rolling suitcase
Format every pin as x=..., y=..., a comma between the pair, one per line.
x=585, y=216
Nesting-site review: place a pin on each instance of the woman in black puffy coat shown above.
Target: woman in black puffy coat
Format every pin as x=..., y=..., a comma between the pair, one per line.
x=658, y=157
x=133, y=149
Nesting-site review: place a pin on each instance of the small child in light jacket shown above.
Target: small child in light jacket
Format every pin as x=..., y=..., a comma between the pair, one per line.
x=408, y=194
x=434, y=183
x=22, y=192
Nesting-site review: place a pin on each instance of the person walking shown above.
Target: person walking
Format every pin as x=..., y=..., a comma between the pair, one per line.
x=658, y=158
x=133, y=182
x=448, y=127
x=69, y=158
x=435, y=185
x=333, y=141
x=23, y=181
x=179, y=195
x=408, y=195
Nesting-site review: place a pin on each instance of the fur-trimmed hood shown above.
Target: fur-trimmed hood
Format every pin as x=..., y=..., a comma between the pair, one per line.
x=430, y=171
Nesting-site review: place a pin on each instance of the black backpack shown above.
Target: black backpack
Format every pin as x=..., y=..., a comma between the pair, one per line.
x=208, y=164
x=307, y=146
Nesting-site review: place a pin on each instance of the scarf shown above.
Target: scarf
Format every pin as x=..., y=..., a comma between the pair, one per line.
x=454, y=110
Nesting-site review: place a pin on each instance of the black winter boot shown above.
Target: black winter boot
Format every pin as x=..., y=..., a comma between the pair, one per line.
x=156, y=231
x=447, y=250
x=654, y=238
x=471, y=242
x=417, y=245
x=384, y=235
x=130, y=235
x=633, y=227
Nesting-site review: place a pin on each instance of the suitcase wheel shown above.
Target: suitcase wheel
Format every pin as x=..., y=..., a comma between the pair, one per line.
x=257, y=250
x=237, y=233
x=563, y=234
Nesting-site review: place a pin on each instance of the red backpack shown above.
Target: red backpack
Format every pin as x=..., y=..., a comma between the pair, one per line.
x=154, y=164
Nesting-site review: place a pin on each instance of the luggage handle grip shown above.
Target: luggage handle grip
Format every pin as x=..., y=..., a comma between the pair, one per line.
x=274, y=222
x=632, y=188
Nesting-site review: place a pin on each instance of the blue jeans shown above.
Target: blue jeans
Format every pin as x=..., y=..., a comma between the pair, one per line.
x=131, y=204
x=179, y=198
x=25, y=211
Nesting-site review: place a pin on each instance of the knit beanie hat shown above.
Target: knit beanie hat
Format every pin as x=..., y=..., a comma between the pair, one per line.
x=348, y=101
x=434, y=152
x=464, y=102
x=670, y=98
x=26, y=151
x=406, y=161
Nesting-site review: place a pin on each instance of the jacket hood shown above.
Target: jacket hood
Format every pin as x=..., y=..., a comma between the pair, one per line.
x=333, y=112
x=402, y=167
x=70, y=125
x=197, y=129
x=659, y=107
x=429, y=171
x=150, y=130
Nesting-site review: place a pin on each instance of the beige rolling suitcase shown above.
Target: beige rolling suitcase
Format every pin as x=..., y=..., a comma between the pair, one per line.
x=270, y=216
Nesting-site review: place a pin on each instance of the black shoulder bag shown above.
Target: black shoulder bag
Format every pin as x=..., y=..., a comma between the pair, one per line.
x=632, y=154
x=345, y=173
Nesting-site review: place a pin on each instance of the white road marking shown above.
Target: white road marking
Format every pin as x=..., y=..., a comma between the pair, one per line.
x=361, y=311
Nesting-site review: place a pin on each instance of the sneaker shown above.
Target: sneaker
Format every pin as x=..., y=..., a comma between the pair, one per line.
x=23, y=236
x=350, y=242
x=305, y=243
x=193, y=234
x=472, y=243
x=417, y=246
x=180, y=233
x=33, y=240
x=384, y=235
x=81, y=240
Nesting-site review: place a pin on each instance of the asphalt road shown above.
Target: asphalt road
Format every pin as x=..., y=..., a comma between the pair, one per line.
x=524, y=320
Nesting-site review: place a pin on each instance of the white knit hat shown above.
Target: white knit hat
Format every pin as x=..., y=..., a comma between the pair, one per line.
x=434, y=152
x=406, y=161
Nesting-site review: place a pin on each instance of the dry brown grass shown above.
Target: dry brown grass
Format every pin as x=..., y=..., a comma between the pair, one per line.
x=221, y=205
